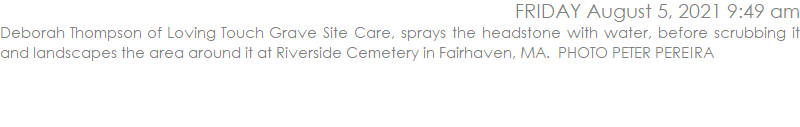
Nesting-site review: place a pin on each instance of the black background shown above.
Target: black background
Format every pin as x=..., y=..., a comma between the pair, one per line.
x=284, y=84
